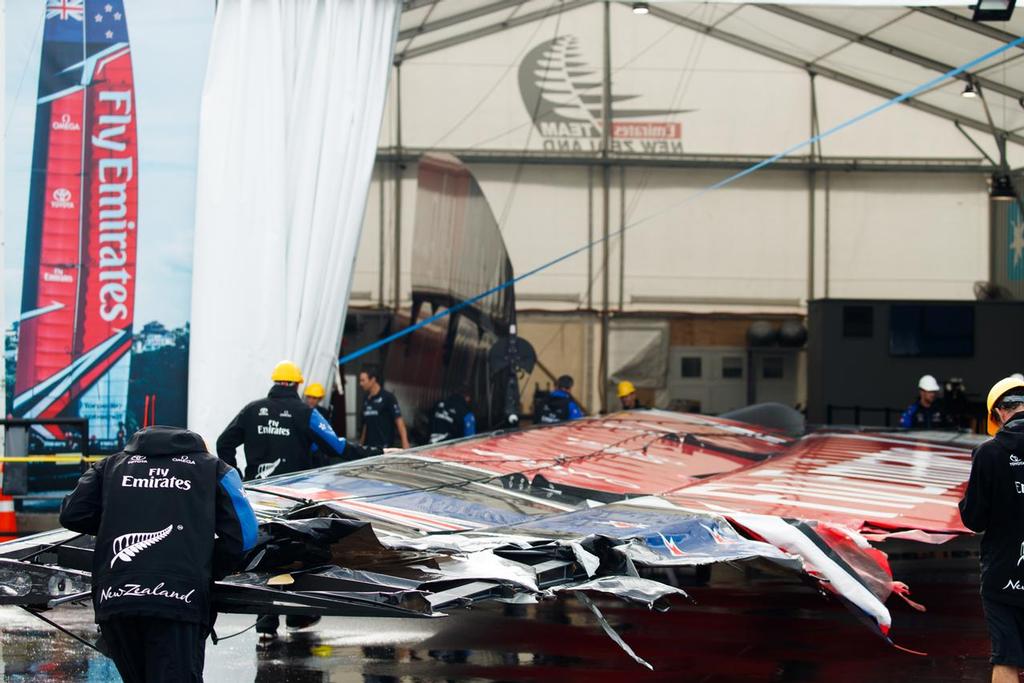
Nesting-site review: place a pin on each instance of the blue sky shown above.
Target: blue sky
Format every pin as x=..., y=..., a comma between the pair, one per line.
x=170, y=45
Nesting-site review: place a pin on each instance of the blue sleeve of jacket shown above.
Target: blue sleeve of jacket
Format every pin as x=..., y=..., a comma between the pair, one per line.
x=324, y=436
x=469, y=424
x=236, y=511
x=574, y=411
x=234, y=523
x=907, y=418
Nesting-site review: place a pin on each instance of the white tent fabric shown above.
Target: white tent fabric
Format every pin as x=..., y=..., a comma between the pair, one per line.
x=291, y=113
x=882, y=47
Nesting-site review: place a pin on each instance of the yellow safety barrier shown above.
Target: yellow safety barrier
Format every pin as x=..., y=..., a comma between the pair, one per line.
x=58, y=458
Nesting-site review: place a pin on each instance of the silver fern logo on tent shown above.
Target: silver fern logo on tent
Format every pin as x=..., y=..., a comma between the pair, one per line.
x=565, y=98
x=128, y=546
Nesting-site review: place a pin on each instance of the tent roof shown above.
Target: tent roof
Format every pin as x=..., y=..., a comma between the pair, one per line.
x=885, y=50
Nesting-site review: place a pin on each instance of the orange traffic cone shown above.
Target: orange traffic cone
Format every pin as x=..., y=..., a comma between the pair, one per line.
x=8, y=521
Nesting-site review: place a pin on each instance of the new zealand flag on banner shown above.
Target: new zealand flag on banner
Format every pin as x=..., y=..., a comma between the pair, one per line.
x=1014, y=243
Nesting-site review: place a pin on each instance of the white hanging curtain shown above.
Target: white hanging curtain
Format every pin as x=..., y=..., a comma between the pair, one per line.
x=291, y=114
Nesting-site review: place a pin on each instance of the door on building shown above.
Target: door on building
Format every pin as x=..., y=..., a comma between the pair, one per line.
x=714, y=380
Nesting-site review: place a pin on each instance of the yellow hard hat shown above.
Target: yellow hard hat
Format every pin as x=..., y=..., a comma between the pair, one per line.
x=286, y=371
x=626, y=388
x=316, y=390
x=994, y=394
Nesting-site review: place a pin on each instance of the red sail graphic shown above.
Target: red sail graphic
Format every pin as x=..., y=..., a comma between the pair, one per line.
x=58, y=270
x=78, y=295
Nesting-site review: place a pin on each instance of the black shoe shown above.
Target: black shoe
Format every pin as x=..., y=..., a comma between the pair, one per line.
x=266, y=626
x=297, y=621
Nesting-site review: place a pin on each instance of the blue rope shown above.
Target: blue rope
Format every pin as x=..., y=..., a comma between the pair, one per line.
x=952, y=73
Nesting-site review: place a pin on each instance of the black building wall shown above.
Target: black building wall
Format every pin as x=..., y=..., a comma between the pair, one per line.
x=855, y=366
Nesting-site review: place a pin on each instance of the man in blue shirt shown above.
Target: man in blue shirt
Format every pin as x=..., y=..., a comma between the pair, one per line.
x=560, y=406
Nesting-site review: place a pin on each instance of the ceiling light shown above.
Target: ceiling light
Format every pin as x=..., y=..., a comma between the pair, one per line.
x=969, y=90
x=641, y=8
x=1002, y=189
x=993, y=10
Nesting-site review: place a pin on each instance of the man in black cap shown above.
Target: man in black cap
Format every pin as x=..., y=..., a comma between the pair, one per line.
x=169, y=518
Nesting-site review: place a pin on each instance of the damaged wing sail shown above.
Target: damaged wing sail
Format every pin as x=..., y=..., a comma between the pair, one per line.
x=610, y=506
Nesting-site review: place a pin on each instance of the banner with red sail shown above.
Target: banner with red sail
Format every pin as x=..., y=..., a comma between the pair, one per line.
x=78, y=291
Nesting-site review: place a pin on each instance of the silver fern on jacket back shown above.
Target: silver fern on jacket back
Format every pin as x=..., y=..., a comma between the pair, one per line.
x=128, y=546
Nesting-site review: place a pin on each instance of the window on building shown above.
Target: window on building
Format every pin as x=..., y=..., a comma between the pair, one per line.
x=772, y=367
x=691, y=367
x=931, y=330
x=732, y=367
x=858, y=322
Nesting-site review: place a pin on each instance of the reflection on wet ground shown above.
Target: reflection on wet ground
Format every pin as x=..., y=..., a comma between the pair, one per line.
x=554, y=641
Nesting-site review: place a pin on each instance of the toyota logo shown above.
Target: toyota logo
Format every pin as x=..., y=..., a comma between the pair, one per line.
x=62, y=194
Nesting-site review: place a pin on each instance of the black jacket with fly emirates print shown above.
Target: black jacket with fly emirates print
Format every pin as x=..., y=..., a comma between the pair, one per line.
x=154, y=510
x=994, y=504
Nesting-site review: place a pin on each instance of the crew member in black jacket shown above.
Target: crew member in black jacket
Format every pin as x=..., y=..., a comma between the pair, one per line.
x=452, y=418
x=560, y=406
x=155, y=510
x=994, y=503
x=279, y=432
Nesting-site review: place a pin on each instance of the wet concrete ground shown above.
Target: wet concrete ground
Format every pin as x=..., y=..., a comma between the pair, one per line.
x=555, y=641
x=336, y=650
x=745, y=623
